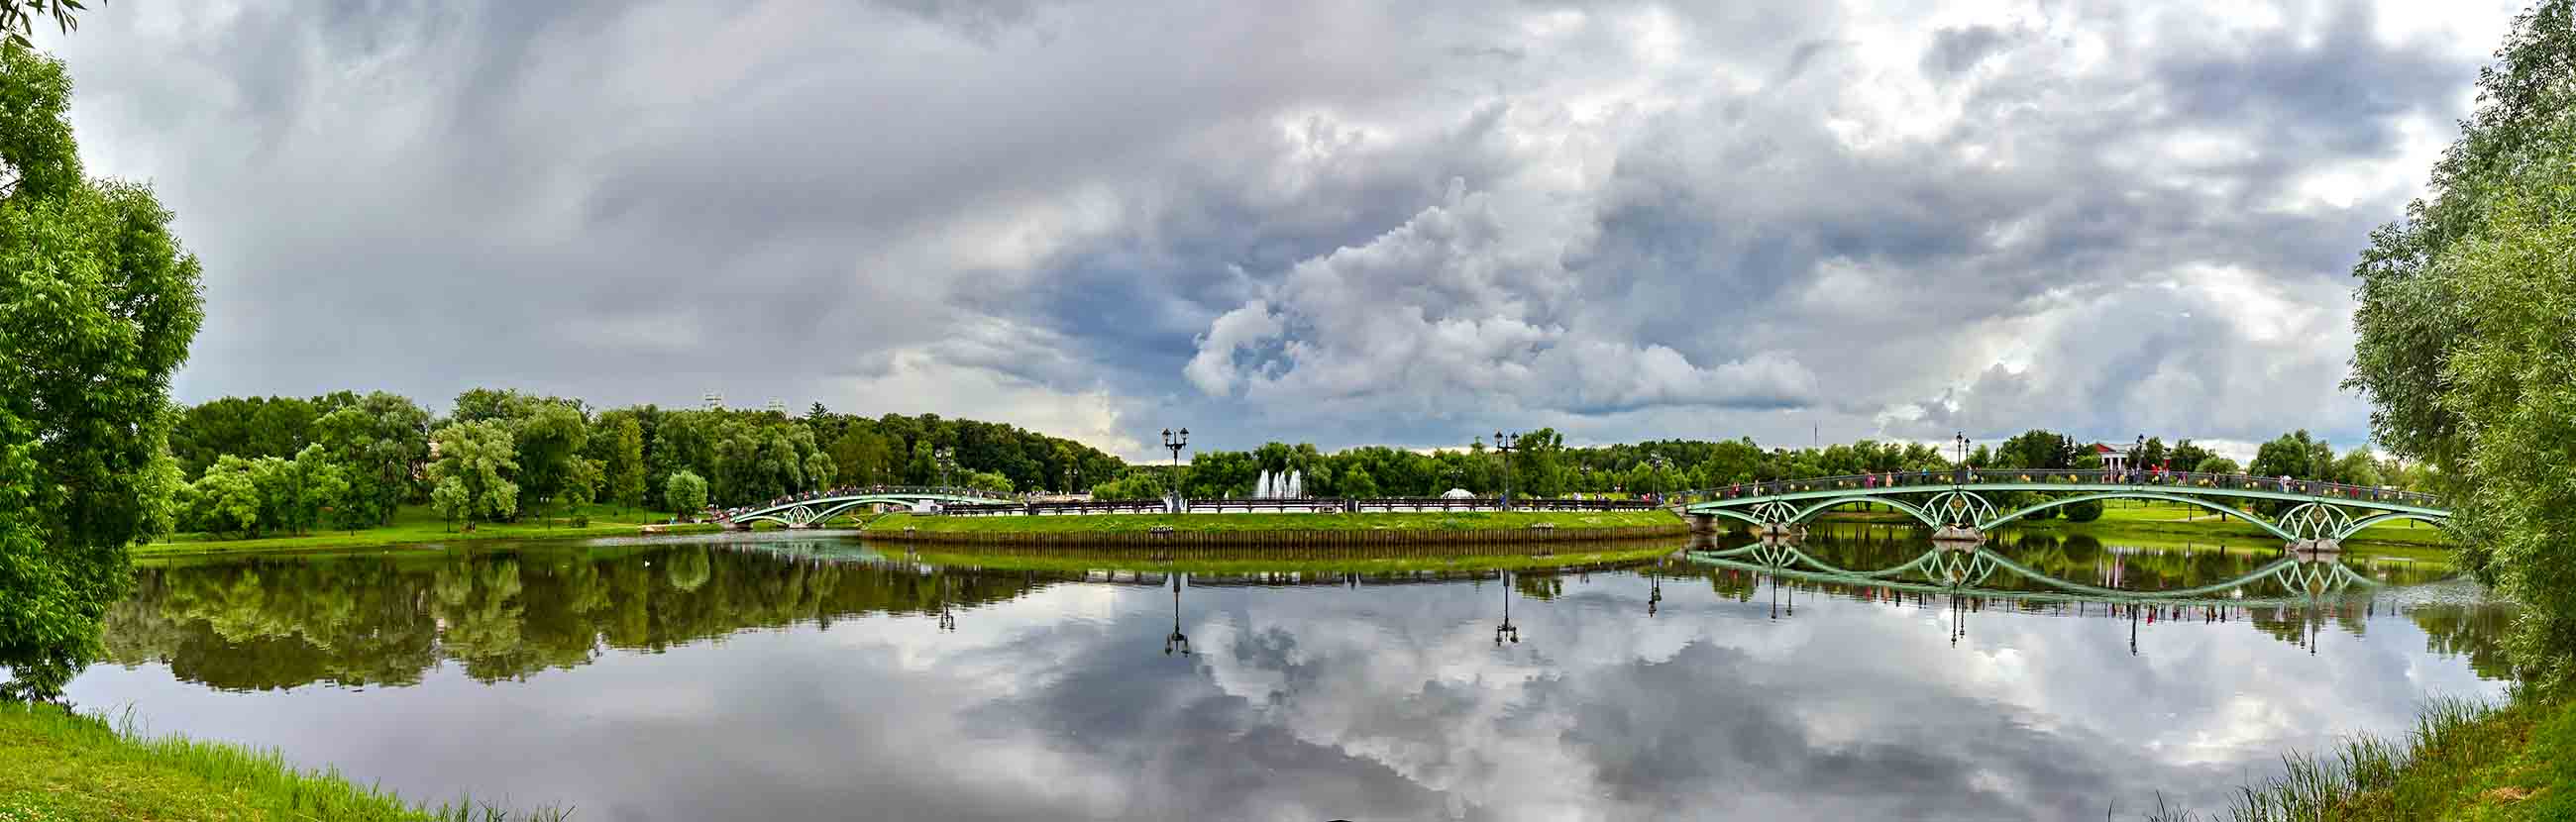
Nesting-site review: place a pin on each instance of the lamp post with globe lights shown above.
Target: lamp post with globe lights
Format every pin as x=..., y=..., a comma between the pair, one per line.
x=1174, y=443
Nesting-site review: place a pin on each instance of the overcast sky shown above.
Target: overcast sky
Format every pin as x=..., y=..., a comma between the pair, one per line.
x=1397, y=223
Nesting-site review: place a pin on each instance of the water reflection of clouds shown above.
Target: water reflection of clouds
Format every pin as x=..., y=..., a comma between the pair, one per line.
x=1374, y=702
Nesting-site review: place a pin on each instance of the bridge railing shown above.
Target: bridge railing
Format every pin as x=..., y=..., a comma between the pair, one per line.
x=1299, y=505
x=1416, y=504
x=2071, y=477
x=1527, y=504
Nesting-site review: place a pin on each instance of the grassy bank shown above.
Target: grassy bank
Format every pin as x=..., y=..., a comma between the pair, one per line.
x=418, y=524
x=2463, y=761
x=2164, y=518
x=62, y=768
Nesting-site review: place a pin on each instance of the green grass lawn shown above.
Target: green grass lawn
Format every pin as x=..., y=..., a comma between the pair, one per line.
x=2123, y=517
x=1137, y=523
x=419, y=524
x=65, y=768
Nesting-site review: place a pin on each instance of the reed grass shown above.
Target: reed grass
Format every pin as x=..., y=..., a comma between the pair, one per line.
x=2463, y=759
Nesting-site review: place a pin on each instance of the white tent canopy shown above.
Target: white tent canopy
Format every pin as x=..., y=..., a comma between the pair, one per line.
x=1456, y=493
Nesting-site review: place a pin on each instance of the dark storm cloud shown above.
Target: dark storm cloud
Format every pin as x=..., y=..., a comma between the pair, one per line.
x=1613, y=217
x=1958, y=49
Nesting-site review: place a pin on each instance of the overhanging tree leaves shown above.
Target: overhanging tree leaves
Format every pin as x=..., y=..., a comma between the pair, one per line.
x=2512, y=387
x=98, y=303
x=2410, y=317
x=2462, y=340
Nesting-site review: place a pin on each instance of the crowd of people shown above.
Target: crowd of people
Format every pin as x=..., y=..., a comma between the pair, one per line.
x=2159, y=476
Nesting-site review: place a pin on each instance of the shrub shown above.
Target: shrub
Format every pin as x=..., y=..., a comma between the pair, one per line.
x=2086, y=511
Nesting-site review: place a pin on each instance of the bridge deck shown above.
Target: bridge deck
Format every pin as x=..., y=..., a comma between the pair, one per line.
x=1748, y=500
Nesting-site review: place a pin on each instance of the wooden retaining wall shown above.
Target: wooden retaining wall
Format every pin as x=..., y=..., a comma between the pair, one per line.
x=1292, y=537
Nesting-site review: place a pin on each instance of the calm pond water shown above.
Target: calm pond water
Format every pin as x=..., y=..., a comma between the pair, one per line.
x=822, y=678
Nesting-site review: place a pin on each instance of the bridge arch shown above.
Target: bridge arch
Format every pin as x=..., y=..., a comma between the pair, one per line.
x=1915, y=511
x=803, y=512
x=2044, y=505
x=2376, y=519
x=1730, y=513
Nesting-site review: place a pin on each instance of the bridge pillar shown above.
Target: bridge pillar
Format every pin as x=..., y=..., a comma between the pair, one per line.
x=1703, y=523
x=800, y=525
x=1781, y=529
x=1958, y=533
x=2315, y=546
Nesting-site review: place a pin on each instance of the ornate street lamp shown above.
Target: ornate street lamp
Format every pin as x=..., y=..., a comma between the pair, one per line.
x=1959, y=474
x=2137, y=456
x=1507, y=629
x=1507, y=443
x=1175, y=443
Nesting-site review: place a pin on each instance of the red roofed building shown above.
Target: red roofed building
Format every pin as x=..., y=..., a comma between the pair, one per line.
x=2113, y=459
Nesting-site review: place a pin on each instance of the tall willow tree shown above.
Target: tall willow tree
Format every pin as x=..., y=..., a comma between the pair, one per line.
x=98, y=303
x=2463, y=341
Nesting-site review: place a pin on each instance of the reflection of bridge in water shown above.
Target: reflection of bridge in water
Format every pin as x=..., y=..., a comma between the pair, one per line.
x=1962, y=504
x=1967, y=572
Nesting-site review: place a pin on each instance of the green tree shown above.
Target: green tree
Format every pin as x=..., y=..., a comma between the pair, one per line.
x=923, y=469
x=247, y=426
x=164, y=496
x=2188, y=457
x=227, y=499
x=2512, y=388
x=381, y=441
x=2359, y=467
x=626, y=464
x=483, y=461
x=2290, y=455
x=311, y=485
x=98, y=303
x=989, y=481
x=450, y=499
x=1357, y=484
x=2215, y=464
x=2410, y=316
x=819, y=470
x=861, y=456
x=2036, y=448
x=685, y=493
x=550, y=436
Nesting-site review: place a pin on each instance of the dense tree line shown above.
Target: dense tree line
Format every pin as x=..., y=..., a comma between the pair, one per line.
x=268, y=465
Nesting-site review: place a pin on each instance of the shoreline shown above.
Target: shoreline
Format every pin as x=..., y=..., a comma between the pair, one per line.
x=1220, y=531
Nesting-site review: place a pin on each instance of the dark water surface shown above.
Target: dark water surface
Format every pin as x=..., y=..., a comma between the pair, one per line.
x=768, y=678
